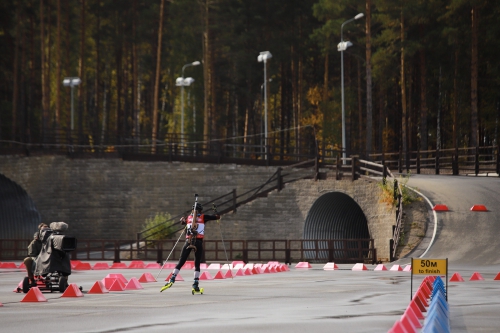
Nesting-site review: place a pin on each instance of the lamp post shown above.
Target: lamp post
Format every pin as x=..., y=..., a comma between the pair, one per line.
x=180, y=81
x=341, y=47
x=183, y=82
x=263, y=57
x=72, y=82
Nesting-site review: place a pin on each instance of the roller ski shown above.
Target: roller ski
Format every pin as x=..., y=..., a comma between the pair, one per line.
x=196, y=289
x=168, y=284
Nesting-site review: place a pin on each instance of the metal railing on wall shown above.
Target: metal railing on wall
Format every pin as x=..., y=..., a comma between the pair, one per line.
x=230, y=201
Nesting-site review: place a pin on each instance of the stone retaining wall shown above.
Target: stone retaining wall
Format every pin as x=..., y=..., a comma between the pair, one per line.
x=111, y=198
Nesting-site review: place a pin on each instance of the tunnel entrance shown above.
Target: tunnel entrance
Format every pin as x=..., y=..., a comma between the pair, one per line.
x=19, y=217
x=335, y=216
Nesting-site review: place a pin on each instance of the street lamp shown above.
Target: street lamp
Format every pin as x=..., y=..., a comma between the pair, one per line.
x=263, y=57
x=341, y=47
x=71, y=82
x=180, y=81
x=183, y=82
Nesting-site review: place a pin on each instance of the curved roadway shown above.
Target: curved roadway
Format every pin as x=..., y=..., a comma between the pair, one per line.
x=463, y=236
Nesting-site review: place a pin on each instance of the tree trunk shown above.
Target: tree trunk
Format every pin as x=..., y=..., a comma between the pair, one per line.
x=359, y=145
x=474, y=77
x=95, y=122
x=207, y=74
x=157, y=80
x=58, y=70
x=455, y=101
x=369, y=103
x=15, y=87
x=44, y=73
x=67, y=69
x=81, y=73
x=135, y=76
x=438, y=126
x=423, y=96
x=403, y=89
x=325, y=95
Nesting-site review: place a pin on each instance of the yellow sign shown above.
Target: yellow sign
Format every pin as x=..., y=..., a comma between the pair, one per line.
x=429, y=266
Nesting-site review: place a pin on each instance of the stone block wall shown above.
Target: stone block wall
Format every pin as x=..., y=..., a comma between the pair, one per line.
x=111, y=198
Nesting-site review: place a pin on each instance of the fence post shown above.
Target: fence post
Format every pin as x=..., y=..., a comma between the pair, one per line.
x=288, y=252
x=159, y=253
x=476, y=160
x=234, y=200
x=407, y=158
x=418, y=161
x=391, y=247
x=245, y=252
x=395, y=192
x=337, y=166
x=353, y=167
x=384, y=172
x=280, y=179
x=330, y=251
x=455, y=165
x=400, y=164
x=316, y=166
x=437, y=162
x=498, y=161
x=268, y=156
x=117, y=253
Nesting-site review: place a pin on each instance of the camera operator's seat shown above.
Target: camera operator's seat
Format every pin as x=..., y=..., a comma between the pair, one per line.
x=54, y=256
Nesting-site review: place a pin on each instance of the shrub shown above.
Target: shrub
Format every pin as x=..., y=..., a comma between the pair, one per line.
x=388, y=192
x=159, y=227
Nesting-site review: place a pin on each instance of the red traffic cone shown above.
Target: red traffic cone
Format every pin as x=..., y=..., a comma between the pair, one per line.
x=98, y=288
x=72, y=291
x=147, y=277
x=456, y=278
x=34, y=295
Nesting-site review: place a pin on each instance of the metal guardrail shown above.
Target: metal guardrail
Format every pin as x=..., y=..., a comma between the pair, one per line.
x=396, y=233
x=311, y=250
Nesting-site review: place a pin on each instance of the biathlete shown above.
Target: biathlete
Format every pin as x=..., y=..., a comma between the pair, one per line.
x=195, y=231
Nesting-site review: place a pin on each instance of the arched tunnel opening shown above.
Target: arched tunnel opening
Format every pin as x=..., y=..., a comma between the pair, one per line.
x=19, y=217
x=336, y=218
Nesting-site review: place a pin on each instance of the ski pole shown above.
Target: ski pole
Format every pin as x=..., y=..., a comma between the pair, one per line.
x=222, y=238
x=170, y=252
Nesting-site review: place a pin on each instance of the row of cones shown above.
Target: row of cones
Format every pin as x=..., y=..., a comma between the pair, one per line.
x=410, y=320
x=474, y=208
x=239, y=272
x=138, y=264
x=475, y=277
x=362, y=267
x=112, y=282
x=35, y=295
x=117, y=282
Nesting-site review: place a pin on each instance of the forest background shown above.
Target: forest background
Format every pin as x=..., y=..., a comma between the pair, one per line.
x=421, y=74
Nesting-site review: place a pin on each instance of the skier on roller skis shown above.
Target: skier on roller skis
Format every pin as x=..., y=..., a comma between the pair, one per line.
x=194, y=241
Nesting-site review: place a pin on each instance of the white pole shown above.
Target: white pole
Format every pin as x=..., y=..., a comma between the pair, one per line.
x=182, y=109
x=265, y=108
x=72, y=127
x=343, y=104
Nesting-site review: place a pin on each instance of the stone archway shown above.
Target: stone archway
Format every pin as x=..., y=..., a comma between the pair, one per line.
x=335, y=215
x=19, y=217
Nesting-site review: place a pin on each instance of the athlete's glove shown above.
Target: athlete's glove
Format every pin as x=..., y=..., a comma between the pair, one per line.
x=183, y=220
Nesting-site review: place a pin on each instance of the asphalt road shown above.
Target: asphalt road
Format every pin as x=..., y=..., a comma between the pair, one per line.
x=296, y=301
x=464, y=236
